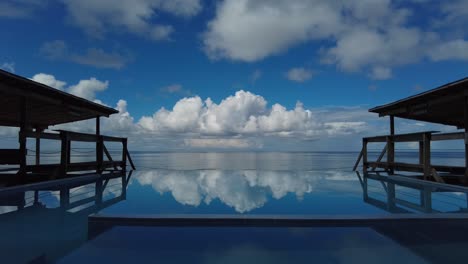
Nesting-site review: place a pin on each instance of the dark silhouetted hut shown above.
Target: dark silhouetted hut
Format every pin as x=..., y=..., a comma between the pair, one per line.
x=33, y=107
x=447, y=105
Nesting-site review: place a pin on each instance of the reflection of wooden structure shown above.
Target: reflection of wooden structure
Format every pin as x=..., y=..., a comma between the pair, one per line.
x=40, y=231
x=447, y=105
x=396, y=201
x=33, y=107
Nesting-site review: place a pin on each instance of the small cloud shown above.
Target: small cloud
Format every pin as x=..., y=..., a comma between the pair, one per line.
x=257, y=74
x=380, y=73
x=20, y=9
x=161, y=32
x=175, y=89
x=8, y=66
x=299, y=74
x=100, y=59
x=58, y=50
x=84, y=88
x=49, y=80
x=88, y=88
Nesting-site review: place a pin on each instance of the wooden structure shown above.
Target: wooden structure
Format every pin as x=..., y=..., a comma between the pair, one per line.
x=33, y=107
x=55, y=230
x=447, y=105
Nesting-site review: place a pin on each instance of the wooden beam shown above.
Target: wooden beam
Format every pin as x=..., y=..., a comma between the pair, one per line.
x=130, y=160
x=384, y=150
x=43, y=135
x=437, y=176
x=448, y=136
x=358, y=160
x=108, y=155
x=410, y=137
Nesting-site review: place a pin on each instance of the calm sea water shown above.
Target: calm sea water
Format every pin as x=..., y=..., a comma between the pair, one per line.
x=305, y=183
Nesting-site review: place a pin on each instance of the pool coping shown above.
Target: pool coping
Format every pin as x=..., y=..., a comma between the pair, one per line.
x=98, y=223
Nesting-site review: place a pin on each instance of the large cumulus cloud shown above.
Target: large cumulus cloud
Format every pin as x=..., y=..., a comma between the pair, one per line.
x=242, y=114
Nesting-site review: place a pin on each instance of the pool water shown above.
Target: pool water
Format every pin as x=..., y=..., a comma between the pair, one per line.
x=46, y=230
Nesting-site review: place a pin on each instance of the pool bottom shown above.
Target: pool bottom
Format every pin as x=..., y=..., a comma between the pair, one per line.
x=137, y=244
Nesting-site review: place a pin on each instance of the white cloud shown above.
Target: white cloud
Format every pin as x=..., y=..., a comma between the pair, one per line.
x=451, y=50
x=20, y=8
x=88, y=88
x=240, y=121
x=175, y=89
x=58, y=50
x=299, y=74
x=135, y=16
x=242, y=190
x=243, y=114
x=8, y=66
x=373, y=36
x=381, y=73
x=252, y=30
x=49, y=80
x=161, y=32
x=84, y=88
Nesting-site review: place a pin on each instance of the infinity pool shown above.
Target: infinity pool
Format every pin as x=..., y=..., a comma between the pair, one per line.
x=52, y=225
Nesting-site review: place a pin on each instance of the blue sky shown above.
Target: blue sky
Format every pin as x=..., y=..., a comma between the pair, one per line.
x=337, y=58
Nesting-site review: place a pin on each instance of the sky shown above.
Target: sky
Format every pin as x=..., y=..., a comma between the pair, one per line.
x=257, y=75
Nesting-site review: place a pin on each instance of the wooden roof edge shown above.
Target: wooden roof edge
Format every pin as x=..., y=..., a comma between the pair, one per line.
x=102, y=110
x=382, y=108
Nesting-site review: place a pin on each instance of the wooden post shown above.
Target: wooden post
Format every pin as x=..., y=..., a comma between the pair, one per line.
x=427, y=154
x=124, y=154
x=64, y=153
x=22, y=138
x=421, y=152
x=69, y=152
x=99, y=148
x=466, y=140
x=392, y=125
x=38, y=146
x=364, y=155
x=391, y=146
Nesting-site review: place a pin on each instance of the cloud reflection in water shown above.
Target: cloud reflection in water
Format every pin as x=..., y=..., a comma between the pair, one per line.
x=243, y=190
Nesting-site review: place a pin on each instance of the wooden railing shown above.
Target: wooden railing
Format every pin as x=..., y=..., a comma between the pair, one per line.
x=424, y=165
x=65, y=166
